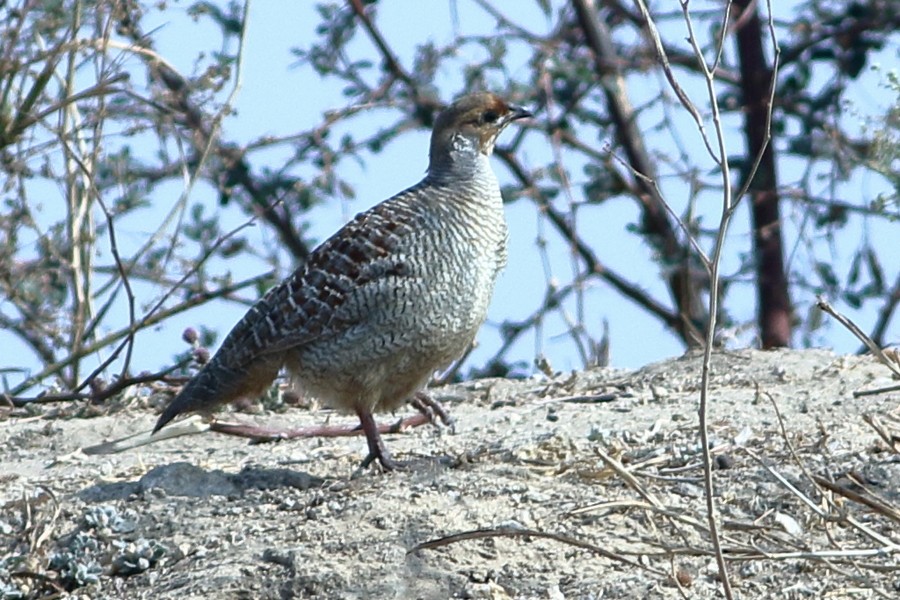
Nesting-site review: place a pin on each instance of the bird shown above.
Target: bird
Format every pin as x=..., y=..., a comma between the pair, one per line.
x=395, y=295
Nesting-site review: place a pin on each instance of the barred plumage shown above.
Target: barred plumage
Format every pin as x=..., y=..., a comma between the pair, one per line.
x=396, y=294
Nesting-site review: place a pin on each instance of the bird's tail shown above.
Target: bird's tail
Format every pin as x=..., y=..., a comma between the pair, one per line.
x=217, y=384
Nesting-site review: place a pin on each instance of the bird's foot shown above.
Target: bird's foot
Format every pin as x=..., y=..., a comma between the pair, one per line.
x=378, y=452
x=432, y=409
x=384, y=461
x=388, y=464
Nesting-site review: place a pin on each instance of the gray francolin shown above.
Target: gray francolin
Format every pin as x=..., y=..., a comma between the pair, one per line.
x=396, y=294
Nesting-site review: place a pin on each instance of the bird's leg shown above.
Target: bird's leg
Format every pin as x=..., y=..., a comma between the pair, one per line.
x=377, y=449
x=261, y=434
x=431, y=408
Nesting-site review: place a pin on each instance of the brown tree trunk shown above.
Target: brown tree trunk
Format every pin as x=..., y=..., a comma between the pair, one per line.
x=773, y=300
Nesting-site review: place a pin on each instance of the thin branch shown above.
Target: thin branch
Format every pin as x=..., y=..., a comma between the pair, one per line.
x=393, y=64
x=878, y=506
x=205, y=137
x=99, y=394
x=885, y=314
x=594, y=265
x=825, y=306
x=657, y=228
x=531, y=533
x=673, y=82
x=30, y=335
x=713, y=266
x=153, y=317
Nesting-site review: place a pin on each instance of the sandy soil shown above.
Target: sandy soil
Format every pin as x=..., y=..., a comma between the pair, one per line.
x=608, y=461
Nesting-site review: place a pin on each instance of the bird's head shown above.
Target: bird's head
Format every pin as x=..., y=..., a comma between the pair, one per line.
x=470, y=126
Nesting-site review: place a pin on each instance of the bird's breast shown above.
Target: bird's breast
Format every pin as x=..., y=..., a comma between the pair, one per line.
x=421, y=314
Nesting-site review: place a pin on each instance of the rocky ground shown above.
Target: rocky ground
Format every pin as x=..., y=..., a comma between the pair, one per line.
x=581, y=486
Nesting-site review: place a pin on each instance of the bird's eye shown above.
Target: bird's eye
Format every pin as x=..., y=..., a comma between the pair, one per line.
x=489, y=116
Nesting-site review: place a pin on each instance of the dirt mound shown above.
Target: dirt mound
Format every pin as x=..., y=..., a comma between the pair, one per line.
x=589, y=486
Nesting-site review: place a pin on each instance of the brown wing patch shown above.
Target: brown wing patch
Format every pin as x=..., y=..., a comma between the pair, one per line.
x=303, y=307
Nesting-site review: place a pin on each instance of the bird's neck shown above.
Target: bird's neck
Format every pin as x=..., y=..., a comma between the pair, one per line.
x=458, y=160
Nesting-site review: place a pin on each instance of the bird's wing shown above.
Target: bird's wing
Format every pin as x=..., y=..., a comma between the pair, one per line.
x=309, y=305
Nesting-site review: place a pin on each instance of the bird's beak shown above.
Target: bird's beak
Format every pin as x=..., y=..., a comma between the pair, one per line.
x=517, y=112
